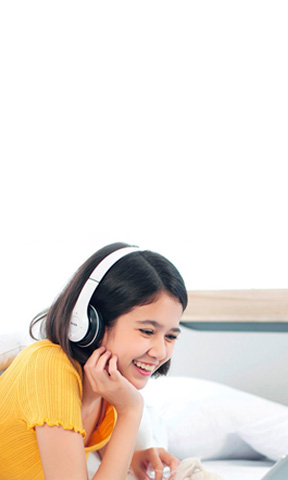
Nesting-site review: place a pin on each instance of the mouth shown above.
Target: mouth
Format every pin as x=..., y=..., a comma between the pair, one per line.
x=144, y=368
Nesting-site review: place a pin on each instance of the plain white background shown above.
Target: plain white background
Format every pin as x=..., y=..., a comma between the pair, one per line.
x=157, y=123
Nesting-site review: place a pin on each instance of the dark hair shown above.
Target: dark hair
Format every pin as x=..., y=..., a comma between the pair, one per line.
x=136, y=279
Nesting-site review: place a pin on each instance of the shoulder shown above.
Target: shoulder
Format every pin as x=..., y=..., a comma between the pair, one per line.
x=44, y=355
x=42, y=347
x=48, y=387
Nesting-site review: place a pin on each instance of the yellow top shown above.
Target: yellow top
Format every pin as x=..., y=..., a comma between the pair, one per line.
x=41, y=386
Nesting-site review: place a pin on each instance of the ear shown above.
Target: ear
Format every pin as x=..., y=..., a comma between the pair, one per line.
x=104, y=338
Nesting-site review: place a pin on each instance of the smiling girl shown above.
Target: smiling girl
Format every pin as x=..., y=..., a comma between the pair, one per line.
x=76, y=391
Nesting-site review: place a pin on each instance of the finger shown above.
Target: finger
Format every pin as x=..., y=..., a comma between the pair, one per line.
x=156, y=464
x=159, y=473
x=168, y=459
x=103, y=361
x=140, y=473
x=172, y=475
x=97, y=366
x=173, y=469
x=93, y=359
x=113, y=365
x=91, y=364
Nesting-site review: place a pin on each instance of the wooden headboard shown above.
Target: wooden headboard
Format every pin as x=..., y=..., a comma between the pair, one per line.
x=237, y=310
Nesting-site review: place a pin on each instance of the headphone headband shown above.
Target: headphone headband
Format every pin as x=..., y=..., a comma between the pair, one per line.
x=79, y=323
x=108, y=262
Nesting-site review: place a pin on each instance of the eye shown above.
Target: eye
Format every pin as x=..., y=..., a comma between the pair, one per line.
x=171, y=337
x=146, y=332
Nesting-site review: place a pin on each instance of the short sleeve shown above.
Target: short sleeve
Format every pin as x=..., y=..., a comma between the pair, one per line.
x=51, y=390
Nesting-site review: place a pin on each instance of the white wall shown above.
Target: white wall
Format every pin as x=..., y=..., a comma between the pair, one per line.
x=162, y=124
x=253, y=362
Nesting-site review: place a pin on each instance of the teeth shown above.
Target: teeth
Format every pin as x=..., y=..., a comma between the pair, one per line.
x=145, y=366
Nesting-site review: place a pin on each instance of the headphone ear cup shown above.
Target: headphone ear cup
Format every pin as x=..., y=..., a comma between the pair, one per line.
x=95, y=330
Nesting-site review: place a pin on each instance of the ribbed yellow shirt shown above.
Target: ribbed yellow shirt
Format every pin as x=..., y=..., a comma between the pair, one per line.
x=41, y=386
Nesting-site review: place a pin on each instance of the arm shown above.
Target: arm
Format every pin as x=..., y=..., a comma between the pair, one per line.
x=157, y=457
x=63, y=457
x=119, y=451
x=62, y=452
x=119, y=392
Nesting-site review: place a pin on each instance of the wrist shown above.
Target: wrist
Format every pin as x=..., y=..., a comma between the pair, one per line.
x=134, y=411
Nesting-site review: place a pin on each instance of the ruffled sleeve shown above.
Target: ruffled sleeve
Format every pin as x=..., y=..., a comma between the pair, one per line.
x=51, y=389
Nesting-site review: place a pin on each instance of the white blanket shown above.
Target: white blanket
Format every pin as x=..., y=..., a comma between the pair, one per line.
x=190, y=468
x=226, y=469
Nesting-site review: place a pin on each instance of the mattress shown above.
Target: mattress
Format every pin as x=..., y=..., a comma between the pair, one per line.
x=239, y=469
x=227, y=469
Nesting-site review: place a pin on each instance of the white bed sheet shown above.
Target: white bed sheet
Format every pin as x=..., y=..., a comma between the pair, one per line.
x=227, y=469
x=239, y=469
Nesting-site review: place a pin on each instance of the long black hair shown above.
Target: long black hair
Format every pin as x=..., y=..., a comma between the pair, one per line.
x=136, y=279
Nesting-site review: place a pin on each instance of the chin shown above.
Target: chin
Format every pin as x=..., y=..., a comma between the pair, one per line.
x=139, y=384
x=139, y=387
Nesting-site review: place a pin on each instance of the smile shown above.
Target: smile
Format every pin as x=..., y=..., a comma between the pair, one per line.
x=145, y=366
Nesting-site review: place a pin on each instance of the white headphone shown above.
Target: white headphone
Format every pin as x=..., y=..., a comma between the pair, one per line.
x=86, y=325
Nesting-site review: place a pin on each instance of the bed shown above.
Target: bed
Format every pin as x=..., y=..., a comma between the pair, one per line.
x=232, y=414
x=227, y=469
x=237, y=429
x=239, y=469
x=235, y=434
x=209, y=420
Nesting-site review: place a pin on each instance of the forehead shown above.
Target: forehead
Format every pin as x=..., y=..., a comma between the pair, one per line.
x=165, y=310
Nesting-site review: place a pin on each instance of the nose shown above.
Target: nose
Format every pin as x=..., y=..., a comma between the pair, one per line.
x=158, y=348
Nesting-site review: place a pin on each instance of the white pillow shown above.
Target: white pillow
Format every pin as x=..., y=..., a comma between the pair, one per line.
x=10, y=345
x=268, y=436
x=213, y=421
x=152, y=431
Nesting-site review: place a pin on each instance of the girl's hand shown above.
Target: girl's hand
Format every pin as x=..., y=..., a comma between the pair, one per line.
x=157, y=457
x=103, y=379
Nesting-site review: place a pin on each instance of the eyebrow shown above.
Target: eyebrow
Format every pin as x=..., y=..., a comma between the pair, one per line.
x=157, y=325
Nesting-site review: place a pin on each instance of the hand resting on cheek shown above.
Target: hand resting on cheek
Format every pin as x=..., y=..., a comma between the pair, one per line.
x=103, y=379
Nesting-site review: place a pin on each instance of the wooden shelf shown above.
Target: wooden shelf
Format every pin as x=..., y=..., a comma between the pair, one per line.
x=237, y=306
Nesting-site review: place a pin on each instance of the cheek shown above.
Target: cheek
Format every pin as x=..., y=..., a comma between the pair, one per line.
x=117, y=344
x=170, y=349
x=105, y=338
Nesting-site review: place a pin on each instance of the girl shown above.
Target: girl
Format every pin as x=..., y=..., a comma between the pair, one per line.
x=77, y=390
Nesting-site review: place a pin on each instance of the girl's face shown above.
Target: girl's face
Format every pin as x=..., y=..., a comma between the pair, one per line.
x=144, y=338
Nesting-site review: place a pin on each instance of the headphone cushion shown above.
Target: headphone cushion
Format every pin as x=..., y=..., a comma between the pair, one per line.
x=95, y=330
